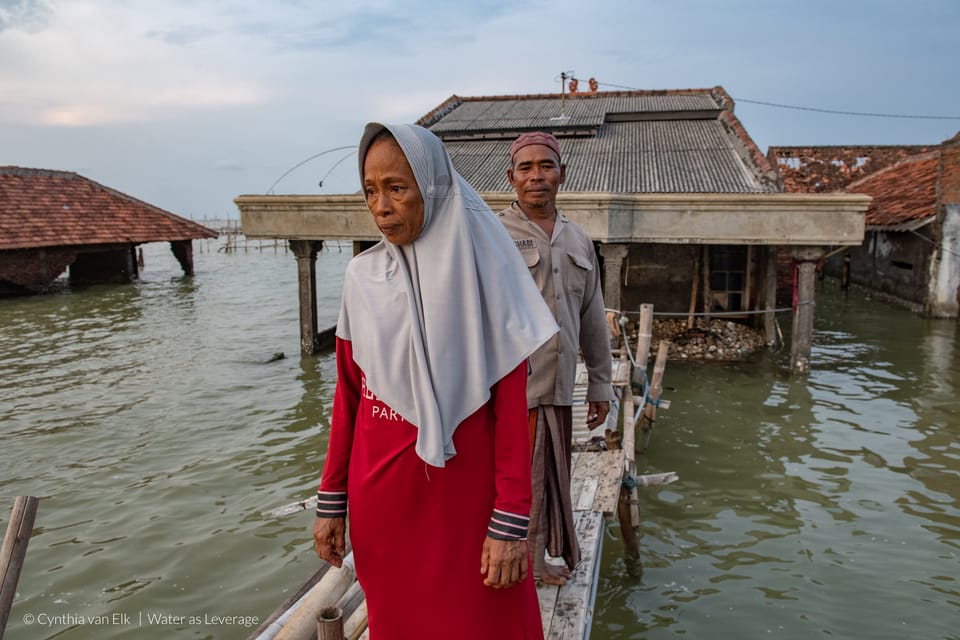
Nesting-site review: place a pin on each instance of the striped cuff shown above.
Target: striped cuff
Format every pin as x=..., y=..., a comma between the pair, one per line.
x=508, y=526
x=331, y=504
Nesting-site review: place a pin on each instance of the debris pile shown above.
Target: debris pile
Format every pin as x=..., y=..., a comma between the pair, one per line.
x=722, y=340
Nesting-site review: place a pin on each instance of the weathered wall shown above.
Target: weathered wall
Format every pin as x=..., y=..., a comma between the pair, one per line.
x=32, y=270
x=895, y=264
x=832, y=168
x=945, y=272
x=659, y=274
x=116, y=266
x=662, y=275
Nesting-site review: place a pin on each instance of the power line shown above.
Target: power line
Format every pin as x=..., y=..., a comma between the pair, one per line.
x=866, y=114
x=838, y=112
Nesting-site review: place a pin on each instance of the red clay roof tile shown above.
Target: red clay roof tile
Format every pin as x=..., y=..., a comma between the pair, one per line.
x=44, y=208
x=903, y=192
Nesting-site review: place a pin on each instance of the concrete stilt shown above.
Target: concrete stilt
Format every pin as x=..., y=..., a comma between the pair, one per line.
x=306, y=254
x=803, y=314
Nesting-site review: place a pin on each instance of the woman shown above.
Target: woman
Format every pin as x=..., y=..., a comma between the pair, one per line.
x=428, y=435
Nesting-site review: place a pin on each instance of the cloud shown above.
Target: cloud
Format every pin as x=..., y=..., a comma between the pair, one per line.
x=102, y=63
x=25, y=15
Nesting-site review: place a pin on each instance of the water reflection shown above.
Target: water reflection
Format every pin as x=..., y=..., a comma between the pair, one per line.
x=805, y=506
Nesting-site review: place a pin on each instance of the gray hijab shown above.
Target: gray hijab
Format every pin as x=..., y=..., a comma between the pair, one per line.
x=435, y=323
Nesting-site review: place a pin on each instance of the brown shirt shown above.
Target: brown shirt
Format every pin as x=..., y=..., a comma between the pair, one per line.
x=566, y=272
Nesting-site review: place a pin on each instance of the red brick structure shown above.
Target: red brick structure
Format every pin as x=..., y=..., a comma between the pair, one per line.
x=911, y=249
x=54, y=220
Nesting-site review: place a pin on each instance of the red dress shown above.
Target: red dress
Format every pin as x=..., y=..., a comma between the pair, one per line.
x=418, y=531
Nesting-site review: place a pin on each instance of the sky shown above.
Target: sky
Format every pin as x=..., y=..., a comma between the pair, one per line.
x=187, y=104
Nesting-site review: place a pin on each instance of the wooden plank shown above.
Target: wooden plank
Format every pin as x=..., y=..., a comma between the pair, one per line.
x=598, y=473
x=13, y=552
x=587, y=494
x=547, y=595
x=573, y=612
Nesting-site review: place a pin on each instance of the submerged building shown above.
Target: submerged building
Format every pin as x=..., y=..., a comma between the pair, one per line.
x=52, y=221
x=911, y=249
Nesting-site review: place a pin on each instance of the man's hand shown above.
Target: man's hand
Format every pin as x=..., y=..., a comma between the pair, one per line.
x=503, y=562
x=329, y=539
x=597, y=414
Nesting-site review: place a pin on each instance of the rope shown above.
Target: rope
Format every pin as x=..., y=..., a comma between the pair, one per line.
x=712, y=314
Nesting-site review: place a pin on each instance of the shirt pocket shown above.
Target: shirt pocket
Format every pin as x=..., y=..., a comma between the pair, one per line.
x=530, y=256
x=579, y=269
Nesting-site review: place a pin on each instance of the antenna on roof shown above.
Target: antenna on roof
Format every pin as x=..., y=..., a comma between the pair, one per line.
x=563, y=84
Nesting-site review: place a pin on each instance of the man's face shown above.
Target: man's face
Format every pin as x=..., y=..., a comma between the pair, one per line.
x=393, y=196
x=536, y=175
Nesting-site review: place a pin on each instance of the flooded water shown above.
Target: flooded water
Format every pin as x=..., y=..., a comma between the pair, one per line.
x=156, y=421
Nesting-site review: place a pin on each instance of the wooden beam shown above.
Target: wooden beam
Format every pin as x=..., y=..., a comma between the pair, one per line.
x=13, y=552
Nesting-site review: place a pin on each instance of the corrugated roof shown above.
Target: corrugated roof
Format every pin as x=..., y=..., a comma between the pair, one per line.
x=903, y=194
x=45, y=208
x=672, y=141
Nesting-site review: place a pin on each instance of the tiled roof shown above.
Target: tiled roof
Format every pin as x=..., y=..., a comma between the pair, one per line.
x=667, y=141
x=903, y=194
x=825, y=169
x=43, y=208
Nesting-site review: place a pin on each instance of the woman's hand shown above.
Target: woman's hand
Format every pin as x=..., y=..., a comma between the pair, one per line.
x=503, y=562
x=329, y=539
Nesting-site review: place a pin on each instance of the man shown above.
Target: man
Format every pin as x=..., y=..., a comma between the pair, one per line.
x=562, y=261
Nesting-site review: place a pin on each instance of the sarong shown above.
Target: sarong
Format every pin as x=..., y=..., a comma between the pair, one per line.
x=551, y=515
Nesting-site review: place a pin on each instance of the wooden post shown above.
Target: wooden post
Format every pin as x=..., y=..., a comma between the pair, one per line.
x=649, y=415
x=330, y=624
x=693, y=289
x=628, y=510
x=748, y=284
x=770, y=298
x=13, y=552
x=707, y=293
x=845, y=274
x=644, y=336
x=306, y=254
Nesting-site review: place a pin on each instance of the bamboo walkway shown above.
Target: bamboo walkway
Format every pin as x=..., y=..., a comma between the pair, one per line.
x=567, y=611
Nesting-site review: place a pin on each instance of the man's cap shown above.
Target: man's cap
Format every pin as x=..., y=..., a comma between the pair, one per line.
x=534, y=137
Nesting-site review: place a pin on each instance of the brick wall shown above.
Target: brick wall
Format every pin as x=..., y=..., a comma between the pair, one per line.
x=950, y=171
x=34, y=269
x=828, y=169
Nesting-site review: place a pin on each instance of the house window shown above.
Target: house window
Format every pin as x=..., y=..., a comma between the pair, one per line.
x=728, y=278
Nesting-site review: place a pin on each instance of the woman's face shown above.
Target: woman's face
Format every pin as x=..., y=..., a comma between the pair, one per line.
x=392, y=193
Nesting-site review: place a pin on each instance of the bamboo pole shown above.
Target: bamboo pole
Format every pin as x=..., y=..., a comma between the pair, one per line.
x=649, y=415
x=356, y=624
x=330, y=624
x=13, y=552
x=628, y=508
x=644, y=336
x=274, y=622
x=302, y=624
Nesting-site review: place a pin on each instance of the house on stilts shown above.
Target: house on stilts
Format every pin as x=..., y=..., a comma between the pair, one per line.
x=681, y=204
